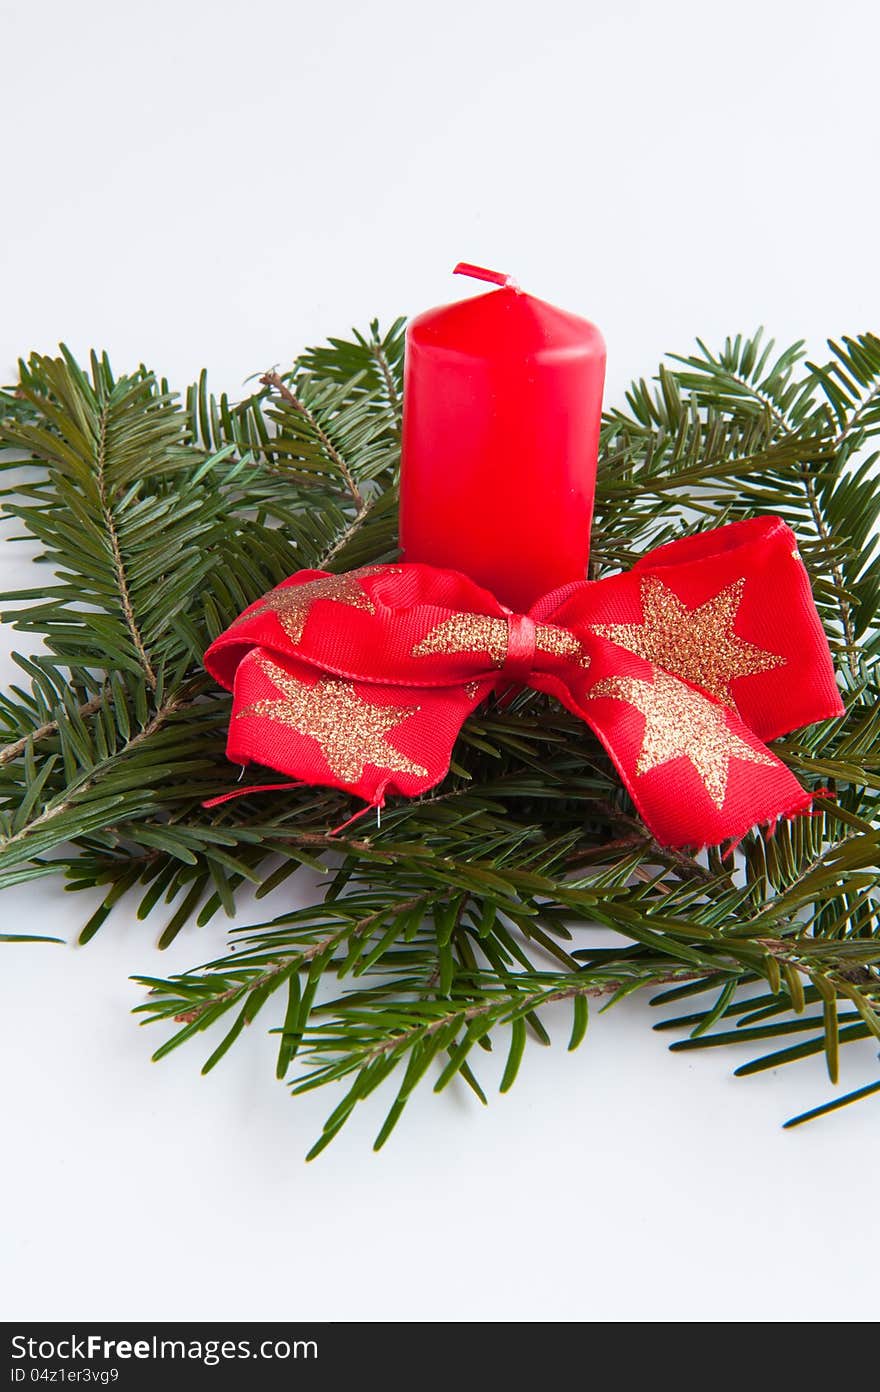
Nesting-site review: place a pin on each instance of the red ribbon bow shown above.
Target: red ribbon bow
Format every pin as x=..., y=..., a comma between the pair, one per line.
x=683, y=667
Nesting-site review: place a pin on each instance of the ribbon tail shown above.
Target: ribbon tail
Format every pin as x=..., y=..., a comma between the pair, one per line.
x=248, y=790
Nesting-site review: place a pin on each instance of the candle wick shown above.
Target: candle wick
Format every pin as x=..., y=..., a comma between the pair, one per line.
x=481, y=273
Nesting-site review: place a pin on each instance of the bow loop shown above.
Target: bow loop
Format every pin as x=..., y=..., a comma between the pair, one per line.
x=681, y=666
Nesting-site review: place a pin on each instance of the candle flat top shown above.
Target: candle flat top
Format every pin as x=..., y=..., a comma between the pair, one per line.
x=506, y=320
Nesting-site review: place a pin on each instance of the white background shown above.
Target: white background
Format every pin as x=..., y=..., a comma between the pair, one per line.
x=220, y=184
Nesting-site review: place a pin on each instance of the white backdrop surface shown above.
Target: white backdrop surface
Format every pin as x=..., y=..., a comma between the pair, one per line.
x=218, y=184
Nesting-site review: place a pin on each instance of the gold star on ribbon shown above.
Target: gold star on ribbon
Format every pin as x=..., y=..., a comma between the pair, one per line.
x=696, y=644
x=350, y=732
x=682, y=724
x=480, y=633
x=292, y=604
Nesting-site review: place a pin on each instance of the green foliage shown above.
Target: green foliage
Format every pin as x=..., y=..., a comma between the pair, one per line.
x=469, y=916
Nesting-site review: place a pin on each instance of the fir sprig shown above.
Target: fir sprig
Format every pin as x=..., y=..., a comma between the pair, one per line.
x=469, y=915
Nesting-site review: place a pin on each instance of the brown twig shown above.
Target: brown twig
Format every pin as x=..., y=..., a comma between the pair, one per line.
x=393, y=399
x=11, y=751
x=865, y=405
x=344, y=537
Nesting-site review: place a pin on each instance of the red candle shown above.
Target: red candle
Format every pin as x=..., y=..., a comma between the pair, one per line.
x=501, y=411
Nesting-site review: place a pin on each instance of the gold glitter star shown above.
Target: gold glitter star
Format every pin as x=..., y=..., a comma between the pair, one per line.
x=480, y=633
x=696, y=644
x=350, y=732
x=682, y=724
x=292, y=603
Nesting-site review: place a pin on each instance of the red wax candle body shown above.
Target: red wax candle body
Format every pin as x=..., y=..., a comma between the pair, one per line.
x=501, y=413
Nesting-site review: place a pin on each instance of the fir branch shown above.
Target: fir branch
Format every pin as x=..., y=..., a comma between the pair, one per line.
x=836, y=572
x=272, y=379
x=321, y=948
x=118, y=562
x=79, y=787
x=437, y=924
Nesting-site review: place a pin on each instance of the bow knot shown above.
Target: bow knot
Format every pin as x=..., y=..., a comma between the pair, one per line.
x=682, y=667
x=522, y=638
